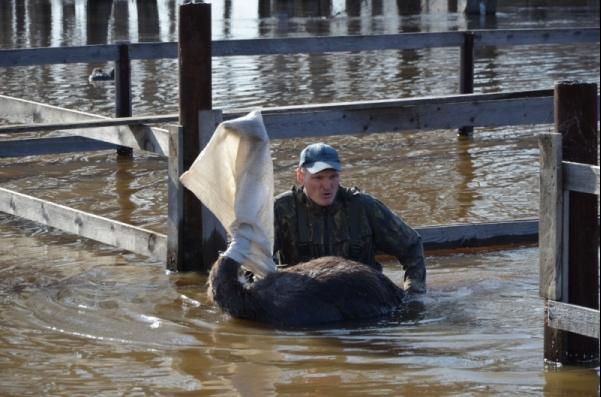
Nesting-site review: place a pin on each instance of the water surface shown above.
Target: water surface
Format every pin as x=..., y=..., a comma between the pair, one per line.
x=80, y=318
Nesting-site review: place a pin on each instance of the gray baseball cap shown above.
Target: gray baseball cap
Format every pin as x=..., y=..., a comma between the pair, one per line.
x=318, y=157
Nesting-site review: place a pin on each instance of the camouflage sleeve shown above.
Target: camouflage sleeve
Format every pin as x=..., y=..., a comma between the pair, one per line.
x=283, y=209
x=394, y=237
x=277, y=229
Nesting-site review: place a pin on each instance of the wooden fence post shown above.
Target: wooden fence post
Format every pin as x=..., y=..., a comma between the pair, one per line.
x=550, y=219
x=466, y=73
x=188, y=246
x=552, y=267
x=123, y=89
x=576, y=120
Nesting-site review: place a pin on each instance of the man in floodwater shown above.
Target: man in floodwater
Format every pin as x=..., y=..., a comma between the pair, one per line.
x=322, y=218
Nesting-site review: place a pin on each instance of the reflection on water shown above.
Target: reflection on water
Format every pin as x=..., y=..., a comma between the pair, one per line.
x=79, y=318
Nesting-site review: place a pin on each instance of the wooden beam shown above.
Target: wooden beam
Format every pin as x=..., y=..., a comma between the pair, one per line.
x=102, y=122
x=466, y=74
x=189, y=248
x=478, y=234
x=123, y=107
x=159, y=50
x=582, y=178
x=138, y=137
x=52, y=55
x=149, y=243
x=506, y=37
x=42, y=146
x=104, y=230
x=390, y=103
x=324, y=44
x=18, y=109
x=573, y=318
x=576, y=120
x=108, y=52
x=70, y=125
x=397, y=118
x=444, y=112
x=550, y=217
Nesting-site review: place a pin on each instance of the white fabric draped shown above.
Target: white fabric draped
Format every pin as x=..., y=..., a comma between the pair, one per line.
x=233, y=177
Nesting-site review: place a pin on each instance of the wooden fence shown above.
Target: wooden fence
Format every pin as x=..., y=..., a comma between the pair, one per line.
x=184, y=244
x=569, y=234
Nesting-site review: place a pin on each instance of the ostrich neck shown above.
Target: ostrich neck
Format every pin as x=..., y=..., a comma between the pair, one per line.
x=227, y=290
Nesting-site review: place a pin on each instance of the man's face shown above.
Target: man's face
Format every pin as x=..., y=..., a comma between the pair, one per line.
x=320, y=187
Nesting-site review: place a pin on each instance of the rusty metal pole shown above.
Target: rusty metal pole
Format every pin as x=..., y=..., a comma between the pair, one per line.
x=466, y=74
x=576, y=119
x=195, y=94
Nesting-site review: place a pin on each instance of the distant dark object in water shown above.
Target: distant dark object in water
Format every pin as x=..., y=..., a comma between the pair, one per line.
x=100, y=75
x=323, y=290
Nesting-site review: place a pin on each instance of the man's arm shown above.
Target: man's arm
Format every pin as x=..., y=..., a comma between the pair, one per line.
x=394, y=237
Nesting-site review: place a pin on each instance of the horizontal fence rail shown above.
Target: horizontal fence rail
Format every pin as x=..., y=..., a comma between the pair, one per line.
x=351, y=118
x=94, y=227
x=137, y=136
x=153, y=244
x=308, y=45
x=579, y=177
x=54, y=145
x=573, y=318
x=108, y=122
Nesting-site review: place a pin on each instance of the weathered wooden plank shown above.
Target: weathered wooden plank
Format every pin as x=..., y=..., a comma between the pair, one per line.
x=41, y=146
x=573, y=318
x=310, y=45
x=390, y=103
x=104, y=230
x=108, y=52
x=188, y=248
x=234, y=113
x=576, y=121
x=551, y=217
x=466, y=74
x=149, y=243
x=582, y=178
x=453, y=111
x=503, y=37
x=155, y=50
x=478, y=234
x=175, y=191
x=51, y=55
x=398, y=118
x=122, y=73
x=214, y=236
x=108, y=122
x=138, y=137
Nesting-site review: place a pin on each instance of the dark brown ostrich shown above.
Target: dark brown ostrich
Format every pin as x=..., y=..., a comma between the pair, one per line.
x=323, y=290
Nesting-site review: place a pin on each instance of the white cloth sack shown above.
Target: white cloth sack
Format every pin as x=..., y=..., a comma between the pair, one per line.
x=233, y=177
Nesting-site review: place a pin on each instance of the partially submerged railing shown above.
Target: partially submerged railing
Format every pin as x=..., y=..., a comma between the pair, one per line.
x=362, y=117
x=193, y=232
x=467, y=41
x=569, y=233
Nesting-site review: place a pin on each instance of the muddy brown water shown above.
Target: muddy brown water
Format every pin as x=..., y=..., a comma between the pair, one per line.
x=81, y=318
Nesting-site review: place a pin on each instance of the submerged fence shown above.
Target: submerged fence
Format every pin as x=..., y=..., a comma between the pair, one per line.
x=194, y=236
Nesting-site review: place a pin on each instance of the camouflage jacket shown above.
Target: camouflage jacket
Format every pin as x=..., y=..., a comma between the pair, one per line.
x=355, y=226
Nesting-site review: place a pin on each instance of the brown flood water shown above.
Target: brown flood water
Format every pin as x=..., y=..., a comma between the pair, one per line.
x=81, y=318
